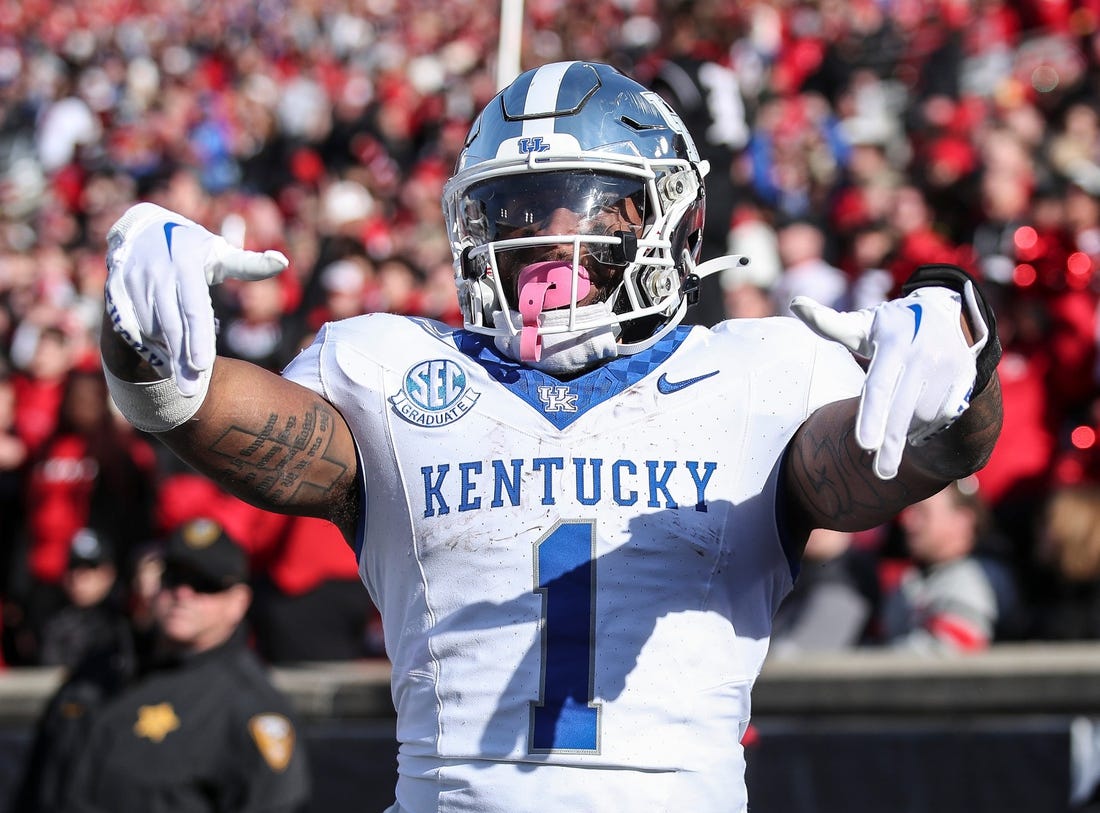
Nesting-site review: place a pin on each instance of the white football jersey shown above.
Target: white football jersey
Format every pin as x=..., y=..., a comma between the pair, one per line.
x=576, y=578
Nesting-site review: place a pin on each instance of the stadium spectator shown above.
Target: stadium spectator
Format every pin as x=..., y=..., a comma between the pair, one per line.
x=918, y=238
x=348, y=286
x=192, y=724
x=92, y=618
x=39, y=381
x=257, y=329
x=957, y=593
x=834, y=601
x=1048, y=331
x=744, y=296
x=310, y=604
x=93, y=472
x=805, y=270
x=747, y=290
x=1064, y=602
x=688, y=68
x=308, y=600
x=13, y=457
x=399, y=287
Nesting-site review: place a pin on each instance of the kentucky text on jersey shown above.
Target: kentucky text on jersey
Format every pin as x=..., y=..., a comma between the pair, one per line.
x=477, y=484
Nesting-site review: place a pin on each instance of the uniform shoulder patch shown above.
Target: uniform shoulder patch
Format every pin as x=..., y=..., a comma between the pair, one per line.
x=434, y=393
x=274, y=737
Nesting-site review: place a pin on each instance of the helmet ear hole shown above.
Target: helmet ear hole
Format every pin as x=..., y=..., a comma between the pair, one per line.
x=477, y=299
x=476, y=294
x=468, y=266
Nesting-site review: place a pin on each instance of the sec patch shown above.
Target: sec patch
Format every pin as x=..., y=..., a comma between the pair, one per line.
x=434, y=393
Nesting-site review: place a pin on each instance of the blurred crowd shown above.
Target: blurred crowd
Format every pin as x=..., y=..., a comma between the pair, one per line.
x=849, y=140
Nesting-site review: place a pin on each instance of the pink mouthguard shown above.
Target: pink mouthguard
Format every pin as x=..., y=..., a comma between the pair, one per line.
x=544, y=286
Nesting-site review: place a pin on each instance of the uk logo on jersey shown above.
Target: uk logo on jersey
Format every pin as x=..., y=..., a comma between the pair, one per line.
x=434, y=393
x=557, y=399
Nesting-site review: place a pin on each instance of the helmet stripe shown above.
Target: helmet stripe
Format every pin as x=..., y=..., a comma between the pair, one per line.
x=542, y=97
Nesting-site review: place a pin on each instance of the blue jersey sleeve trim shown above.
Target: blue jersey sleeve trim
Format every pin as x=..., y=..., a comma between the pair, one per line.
x=792, y=548
x=360, y=523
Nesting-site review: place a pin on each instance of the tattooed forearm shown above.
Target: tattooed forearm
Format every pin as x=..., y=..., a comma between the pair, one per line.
x=274, y=444
x=831, y=477
x=830, y=482
x=286, y=456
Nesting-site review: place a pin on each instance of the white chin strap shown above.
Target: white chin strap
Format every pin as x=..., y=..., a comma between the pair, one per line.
x=569, y=352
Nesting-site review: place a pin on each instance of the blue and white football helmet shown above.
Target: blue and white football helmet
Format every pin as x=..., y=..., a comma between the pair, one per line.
x=578, y=137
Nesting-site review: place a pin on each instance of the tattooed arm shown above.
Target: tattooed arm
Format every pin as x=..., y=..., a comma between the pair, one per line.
x=829, y=481
x=930, y=409
x=267, y=440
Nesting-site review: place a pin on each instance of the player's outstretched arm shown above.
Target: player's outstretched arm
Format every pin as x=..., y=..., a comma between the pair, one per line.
x=267, y=440
x=918, y=423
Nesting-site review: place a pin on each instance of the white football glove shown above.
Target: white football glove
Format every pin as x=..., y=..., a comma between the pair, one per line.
x=159, y=269
x=922, y=369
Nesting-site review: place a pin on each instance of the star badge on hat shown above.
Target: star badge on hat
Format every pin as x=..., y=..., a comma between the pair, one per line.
x=200, y=553
x=200, y=533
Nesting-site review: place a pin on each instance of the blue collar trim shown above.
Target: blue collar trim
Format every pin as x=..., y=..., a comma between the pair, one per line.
x=563, y=402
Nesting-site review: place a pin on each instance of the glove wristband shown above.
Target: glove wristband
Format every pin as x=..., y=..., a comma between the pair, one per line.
x=942, y=275
x=155, y=406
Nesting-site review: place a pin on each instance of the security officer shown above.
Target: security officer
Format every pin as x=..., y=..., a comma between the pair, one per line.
x=194, y=726
x=93, y=615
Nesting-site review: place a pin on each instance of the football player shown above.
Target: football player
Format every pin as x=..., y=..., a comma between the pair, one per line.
x=576, y=515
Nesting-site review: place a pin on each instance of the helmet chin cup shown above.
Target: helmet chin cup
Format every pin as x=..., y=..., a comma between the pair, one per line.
x=486, y=298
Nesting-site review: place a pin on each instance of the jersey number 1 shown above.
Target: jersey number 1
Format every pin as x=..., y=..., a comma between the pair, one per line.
x=565, y=718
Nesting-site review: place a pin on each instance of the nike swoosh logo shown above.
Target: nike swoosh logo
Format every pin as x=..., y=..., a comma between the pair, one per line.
x=916, y=315
x=168, y=228
x=666, y=387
